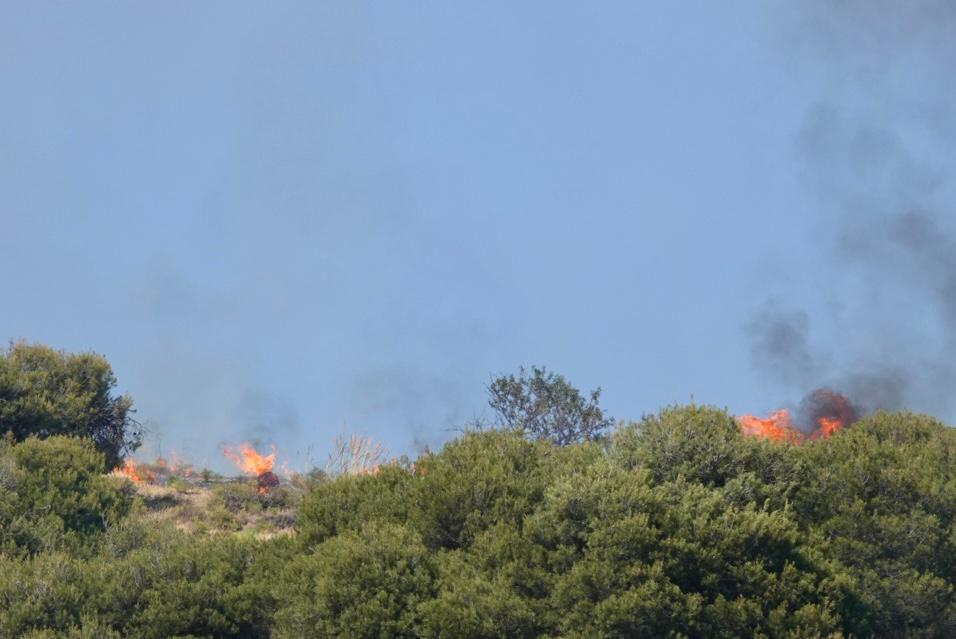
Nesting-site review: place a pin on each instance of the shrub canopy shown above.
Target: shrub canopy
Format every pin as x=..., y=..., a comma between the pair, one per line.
x=45, y=392
x=676, y=526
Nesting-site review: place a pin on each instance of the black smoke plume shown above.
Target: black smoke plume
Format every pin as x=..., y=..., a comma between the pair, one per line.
x=875, y=152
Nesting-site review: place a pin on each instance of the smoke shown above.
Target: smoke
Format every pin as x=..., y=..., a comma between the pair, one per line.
x=418, y=402
x=266, y=418
x=824, y=404
x=780, y=344
x=874, y=153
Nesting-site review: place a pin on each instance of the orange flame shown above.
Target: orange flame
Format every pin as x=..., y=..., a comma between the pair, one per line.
x=826, y=426
x=830, y=411
x=249, y=461
x=129, y=471
x=776, y=427
x=179, y=466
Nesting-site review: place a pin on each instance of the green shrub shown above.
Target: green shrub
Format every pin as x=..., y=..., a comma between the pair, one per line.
x=357, y=584
x=349, y=502
x=474, y=604
x=475, y=482
x=44, y=392
x=57, y=495
x=236, y=497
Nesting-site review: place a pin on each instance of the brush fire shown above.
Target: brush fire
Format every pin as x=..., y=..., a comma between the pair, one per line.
x=252, y=463
x=820, y=414
x=161, y=471
x=134, y=472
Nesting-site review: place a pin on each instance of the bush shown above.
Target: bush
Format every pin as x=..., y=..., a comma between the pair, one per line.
x=59, y=497
x=475, y=482
x=349, y=502
x=357, y=584
x=236, y=497
x=44, y=392
x=471, y=603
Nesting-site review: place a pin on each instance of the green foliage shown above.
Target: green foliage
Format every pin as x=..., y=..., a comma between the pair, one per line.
x=236, y=497
x=181, y=486
x=349, y=502
x=675, y=555
x=474, y=604
x=882, y=502
x=676, y=526
x=543, y=405
x=698, y=443
x=44, y=392
x=475, y=482
x=147, y=584
x=357, y=585
x=56, y=495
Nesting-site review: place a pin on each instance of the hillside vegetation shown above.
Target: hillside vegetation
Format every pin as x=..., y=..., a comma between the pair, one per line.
x=556, y=524
x=671, y=526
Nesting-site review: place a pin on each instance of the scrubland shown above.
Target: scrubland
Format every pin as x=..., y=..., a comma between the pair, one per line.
x=674, y=525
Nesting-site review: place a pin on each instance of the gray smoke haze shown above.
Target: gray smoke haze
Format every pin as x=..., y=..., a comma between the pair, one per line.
x=875, y=153
x=780, y=344
x=423, y=404
x=266, y=417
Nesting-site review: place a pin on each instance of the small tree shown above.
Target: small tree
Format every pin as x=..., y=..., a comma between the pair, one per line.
x=45, y=392
x=543, y=405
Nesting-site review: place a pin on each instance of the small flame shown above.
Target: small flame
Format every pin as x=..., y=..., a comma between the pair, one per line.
x=249, y=461
x=130, y=472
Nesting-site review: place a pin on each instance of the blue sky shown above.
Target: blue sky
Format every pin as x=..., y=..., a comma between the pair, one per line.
x=282, y=222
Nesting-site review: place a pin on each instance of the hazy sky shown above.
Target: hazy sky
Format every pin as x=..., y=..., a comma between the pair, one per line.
x=281, y=221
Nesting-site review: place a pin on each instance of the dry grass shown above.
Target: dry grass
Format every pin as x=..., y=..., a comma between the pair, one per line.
x=355, y=455
x=217, y=510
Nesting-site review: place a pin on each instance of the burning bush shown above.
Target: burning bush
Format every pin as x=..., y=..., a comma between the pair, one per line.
x=820, y=414
x=252, y=463
x=135, y=472
x=266, y=481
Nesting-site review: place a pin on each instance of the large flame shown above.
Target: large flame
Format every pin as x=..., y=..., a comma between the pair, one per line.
x=823, y=412
x=249, y=461
x=777, y=427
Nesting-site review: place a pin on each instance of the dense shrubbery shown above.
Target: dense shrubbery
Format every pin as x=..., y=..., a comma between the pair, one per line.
x=55, y=496
x=44, y=392
x=673, y=526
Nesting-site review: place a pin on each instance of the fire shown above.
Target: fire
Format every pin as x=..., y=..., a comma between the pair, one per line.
x=828, y=426
x=821, y=413
x=249, y=461
x=178, y=466
x=777, y=427
x=130, y=472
